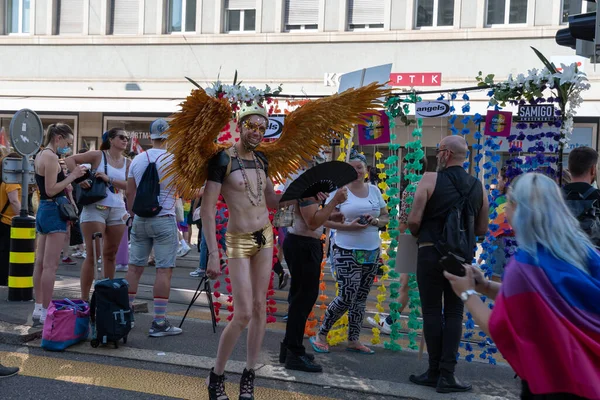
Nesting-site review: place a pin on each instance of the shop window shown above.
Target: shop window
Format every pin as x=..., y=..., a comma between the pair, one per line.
x=301, y=15
x=503, y=12
x=240, y=16
x=435, y=13
x=182, y=16
x=572, y=7
x=365, y=14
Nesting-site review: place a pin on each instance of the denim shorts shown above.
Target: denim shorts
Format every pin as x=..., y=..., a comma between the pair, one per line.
x=48, y=219
x=108, y=216
x=157, y=232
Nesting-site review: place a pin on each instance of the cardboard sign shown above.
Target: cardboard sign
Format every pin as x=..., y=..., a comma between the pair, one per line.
x=432, y=109
x=377, y=130
x=498, y=123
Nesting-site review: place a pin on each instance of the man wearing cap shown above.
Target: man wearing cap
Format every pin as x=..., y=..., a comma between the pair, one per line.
x=158, y=232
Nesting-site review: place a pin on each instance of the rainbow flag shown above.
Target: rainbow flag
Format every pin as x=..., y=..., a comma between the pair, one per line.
x=546, y=323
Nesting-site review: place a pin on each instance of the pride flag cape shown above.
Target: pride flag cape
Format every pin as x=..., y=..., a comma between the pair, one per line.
x=546, y=323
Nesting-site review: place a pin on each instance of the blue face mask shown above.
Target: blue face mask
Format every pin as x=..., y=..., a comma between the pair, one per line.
x=63, y=150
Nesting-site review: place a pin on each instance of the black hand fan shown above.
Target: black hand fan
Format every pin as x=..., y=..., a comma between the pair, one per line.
x=324, y=178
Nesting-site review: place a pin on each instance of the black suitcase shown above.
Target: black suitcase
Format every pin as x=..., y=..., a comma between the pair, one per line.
x=110, y=313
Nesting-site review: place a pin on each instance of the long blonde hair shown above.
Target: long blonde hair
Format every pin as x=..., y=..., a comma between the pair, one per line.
x=542, y=218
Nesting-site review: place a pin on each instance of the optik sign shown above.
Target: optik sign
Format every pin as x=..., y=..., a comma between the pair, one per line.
x=275, y=127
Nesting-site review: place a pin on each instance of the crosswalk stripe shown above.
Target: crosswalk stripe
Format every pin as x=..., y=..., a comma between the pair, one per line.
x=133, y=379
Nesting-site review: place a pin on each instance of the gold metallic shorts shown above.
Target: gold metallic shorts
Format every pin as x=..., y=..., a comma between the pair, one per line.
x=246, y=245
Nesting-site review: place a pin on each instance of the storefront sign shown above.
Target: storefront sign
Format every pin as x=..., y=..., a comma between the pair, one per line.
x=377, y=130
x=432, y=109
x=416, y=79
x=536, y=113
x=498, y=123
x=408, y=79
x=275, y=126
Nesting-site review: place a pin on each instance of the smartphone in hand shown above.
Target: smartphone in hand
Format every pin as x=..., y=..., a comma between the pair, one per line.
x=363, y=220
x=453, y=264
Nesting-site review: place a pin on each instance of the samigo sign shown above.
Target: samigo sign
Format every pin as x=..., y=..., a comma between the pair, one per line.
x=536, y=113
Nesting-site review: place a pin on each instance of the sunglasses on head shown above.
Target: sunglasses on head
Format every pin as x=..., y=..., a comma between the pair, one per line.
x=255, y=127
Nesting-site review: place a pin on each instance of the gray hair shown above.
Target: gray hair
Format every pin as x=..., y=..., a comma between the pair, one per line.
x=542, y=218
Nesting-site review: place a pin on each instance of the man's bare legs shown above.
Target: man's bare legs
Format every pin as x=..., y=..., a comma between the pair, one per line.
x=260, y=276
x=239, y=273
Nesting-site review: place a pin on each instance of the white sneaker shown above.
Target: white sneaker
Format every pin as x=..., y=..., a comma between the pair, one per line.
x=37, y=313
x=383, y=326
x=78, y=254
x=185, y=249
x=44, y=313
x=122, y=268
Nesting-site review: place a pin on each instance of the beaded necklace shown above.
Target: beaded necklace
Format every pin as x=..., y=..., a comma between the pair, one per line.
x=254, y=197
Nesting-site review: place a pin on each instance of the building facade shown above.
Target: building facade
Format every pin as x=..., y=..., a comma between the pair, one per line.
x=97, y=64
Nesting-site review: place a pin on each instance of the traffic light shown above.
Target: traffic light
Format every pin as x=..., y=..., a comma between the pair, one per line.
x=580, y=34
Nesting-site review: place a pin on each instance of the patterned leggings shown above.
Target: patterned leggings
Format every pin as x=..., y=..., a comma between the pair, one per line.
x=355, y=282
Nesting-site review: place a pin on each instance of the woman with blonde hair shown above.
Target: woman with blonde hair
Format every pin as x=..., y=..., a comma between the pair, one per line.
x=546, y=319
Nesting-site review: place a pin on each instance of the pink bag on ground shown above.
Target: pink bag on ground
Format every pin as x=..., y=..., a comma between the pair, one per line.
x=67, y=323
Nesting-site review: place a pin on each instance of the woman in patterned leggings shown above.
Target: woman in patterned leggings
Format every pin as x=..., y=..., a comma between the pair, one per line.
x=355, y=256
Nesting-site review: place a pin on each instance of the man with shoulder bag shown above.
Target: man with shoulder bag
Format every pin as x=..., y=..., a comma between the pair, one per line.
x=450, y=209
x=582, y=198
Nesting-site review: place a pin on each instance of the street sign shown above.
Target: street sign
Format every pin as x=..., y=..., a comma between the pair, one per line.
x=26, y=132
x=12, y=171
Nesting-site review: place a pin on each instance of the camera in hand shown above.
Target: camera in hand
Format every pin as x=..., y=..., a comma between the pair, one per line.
x=363, y=220
x=454, y=264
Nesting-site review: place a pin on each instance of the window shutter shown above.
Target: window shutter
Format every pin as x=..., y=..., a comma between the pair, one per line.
x=364, y=12
x=302, y=12
x=125, y=17
x=240, y=4
x=70, y=17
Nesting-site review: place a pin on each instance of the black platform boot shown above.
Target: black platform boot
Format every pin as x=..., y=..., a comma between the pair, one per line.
x=216, y=386
x=247, y=385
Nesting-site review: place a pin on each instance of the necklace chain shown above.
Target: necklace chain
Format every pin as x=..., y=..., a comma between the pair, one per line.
x=254, y=197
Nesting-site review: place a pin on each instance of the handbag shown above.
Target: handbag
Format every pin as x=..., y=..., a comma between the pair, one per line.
x=97, y=191
x=196, y=217
x=284, y=217
x=67, y=323
x=67, y=212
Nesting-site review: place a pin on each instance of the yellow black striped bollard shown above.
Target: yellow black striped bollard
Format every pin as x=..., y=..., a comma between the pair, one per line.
x=22, y=258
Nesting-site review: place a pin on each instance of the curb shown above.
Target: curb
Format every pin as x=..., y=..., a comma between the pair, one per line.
x=18, y=334
x=277, y=373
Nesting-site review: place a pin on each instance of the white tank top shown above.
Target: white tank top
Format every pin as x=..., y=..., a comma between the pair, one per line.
x=114, y=196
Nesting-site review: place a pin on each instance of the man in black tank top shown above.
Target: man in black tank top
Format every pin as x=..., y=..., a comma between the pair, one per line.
x=435, y=196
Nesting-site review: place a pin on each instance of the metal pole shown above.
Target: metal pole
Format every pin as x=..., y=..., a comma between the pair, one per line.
x=25, y=187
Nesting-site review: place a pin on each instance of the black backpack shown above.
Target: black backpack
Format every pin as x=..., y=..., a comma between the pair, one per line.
x=587, y=212
x=146, y=203
x=458, y=234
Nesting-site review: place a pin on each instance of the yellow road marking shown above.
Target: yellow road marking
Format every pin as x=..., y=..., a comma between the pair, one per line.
x=138, y=380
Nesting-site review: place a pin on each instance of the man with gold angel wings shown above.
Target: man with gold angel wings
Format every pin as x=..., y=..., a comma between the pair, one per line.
x=244, y=173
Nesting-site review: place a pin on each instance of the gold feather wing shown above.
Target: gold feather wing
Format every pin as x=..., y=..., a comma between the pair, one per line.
x=311, y=127
x=193, y=133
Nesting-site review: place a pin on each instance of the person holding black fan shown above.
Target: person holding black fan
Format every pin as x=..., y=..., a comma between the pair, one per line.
x=303, y=251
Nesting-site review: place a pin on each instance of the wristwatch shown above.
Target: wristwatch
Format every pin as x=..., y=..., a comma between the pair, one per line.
x=376, y=221
x=464, y=296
